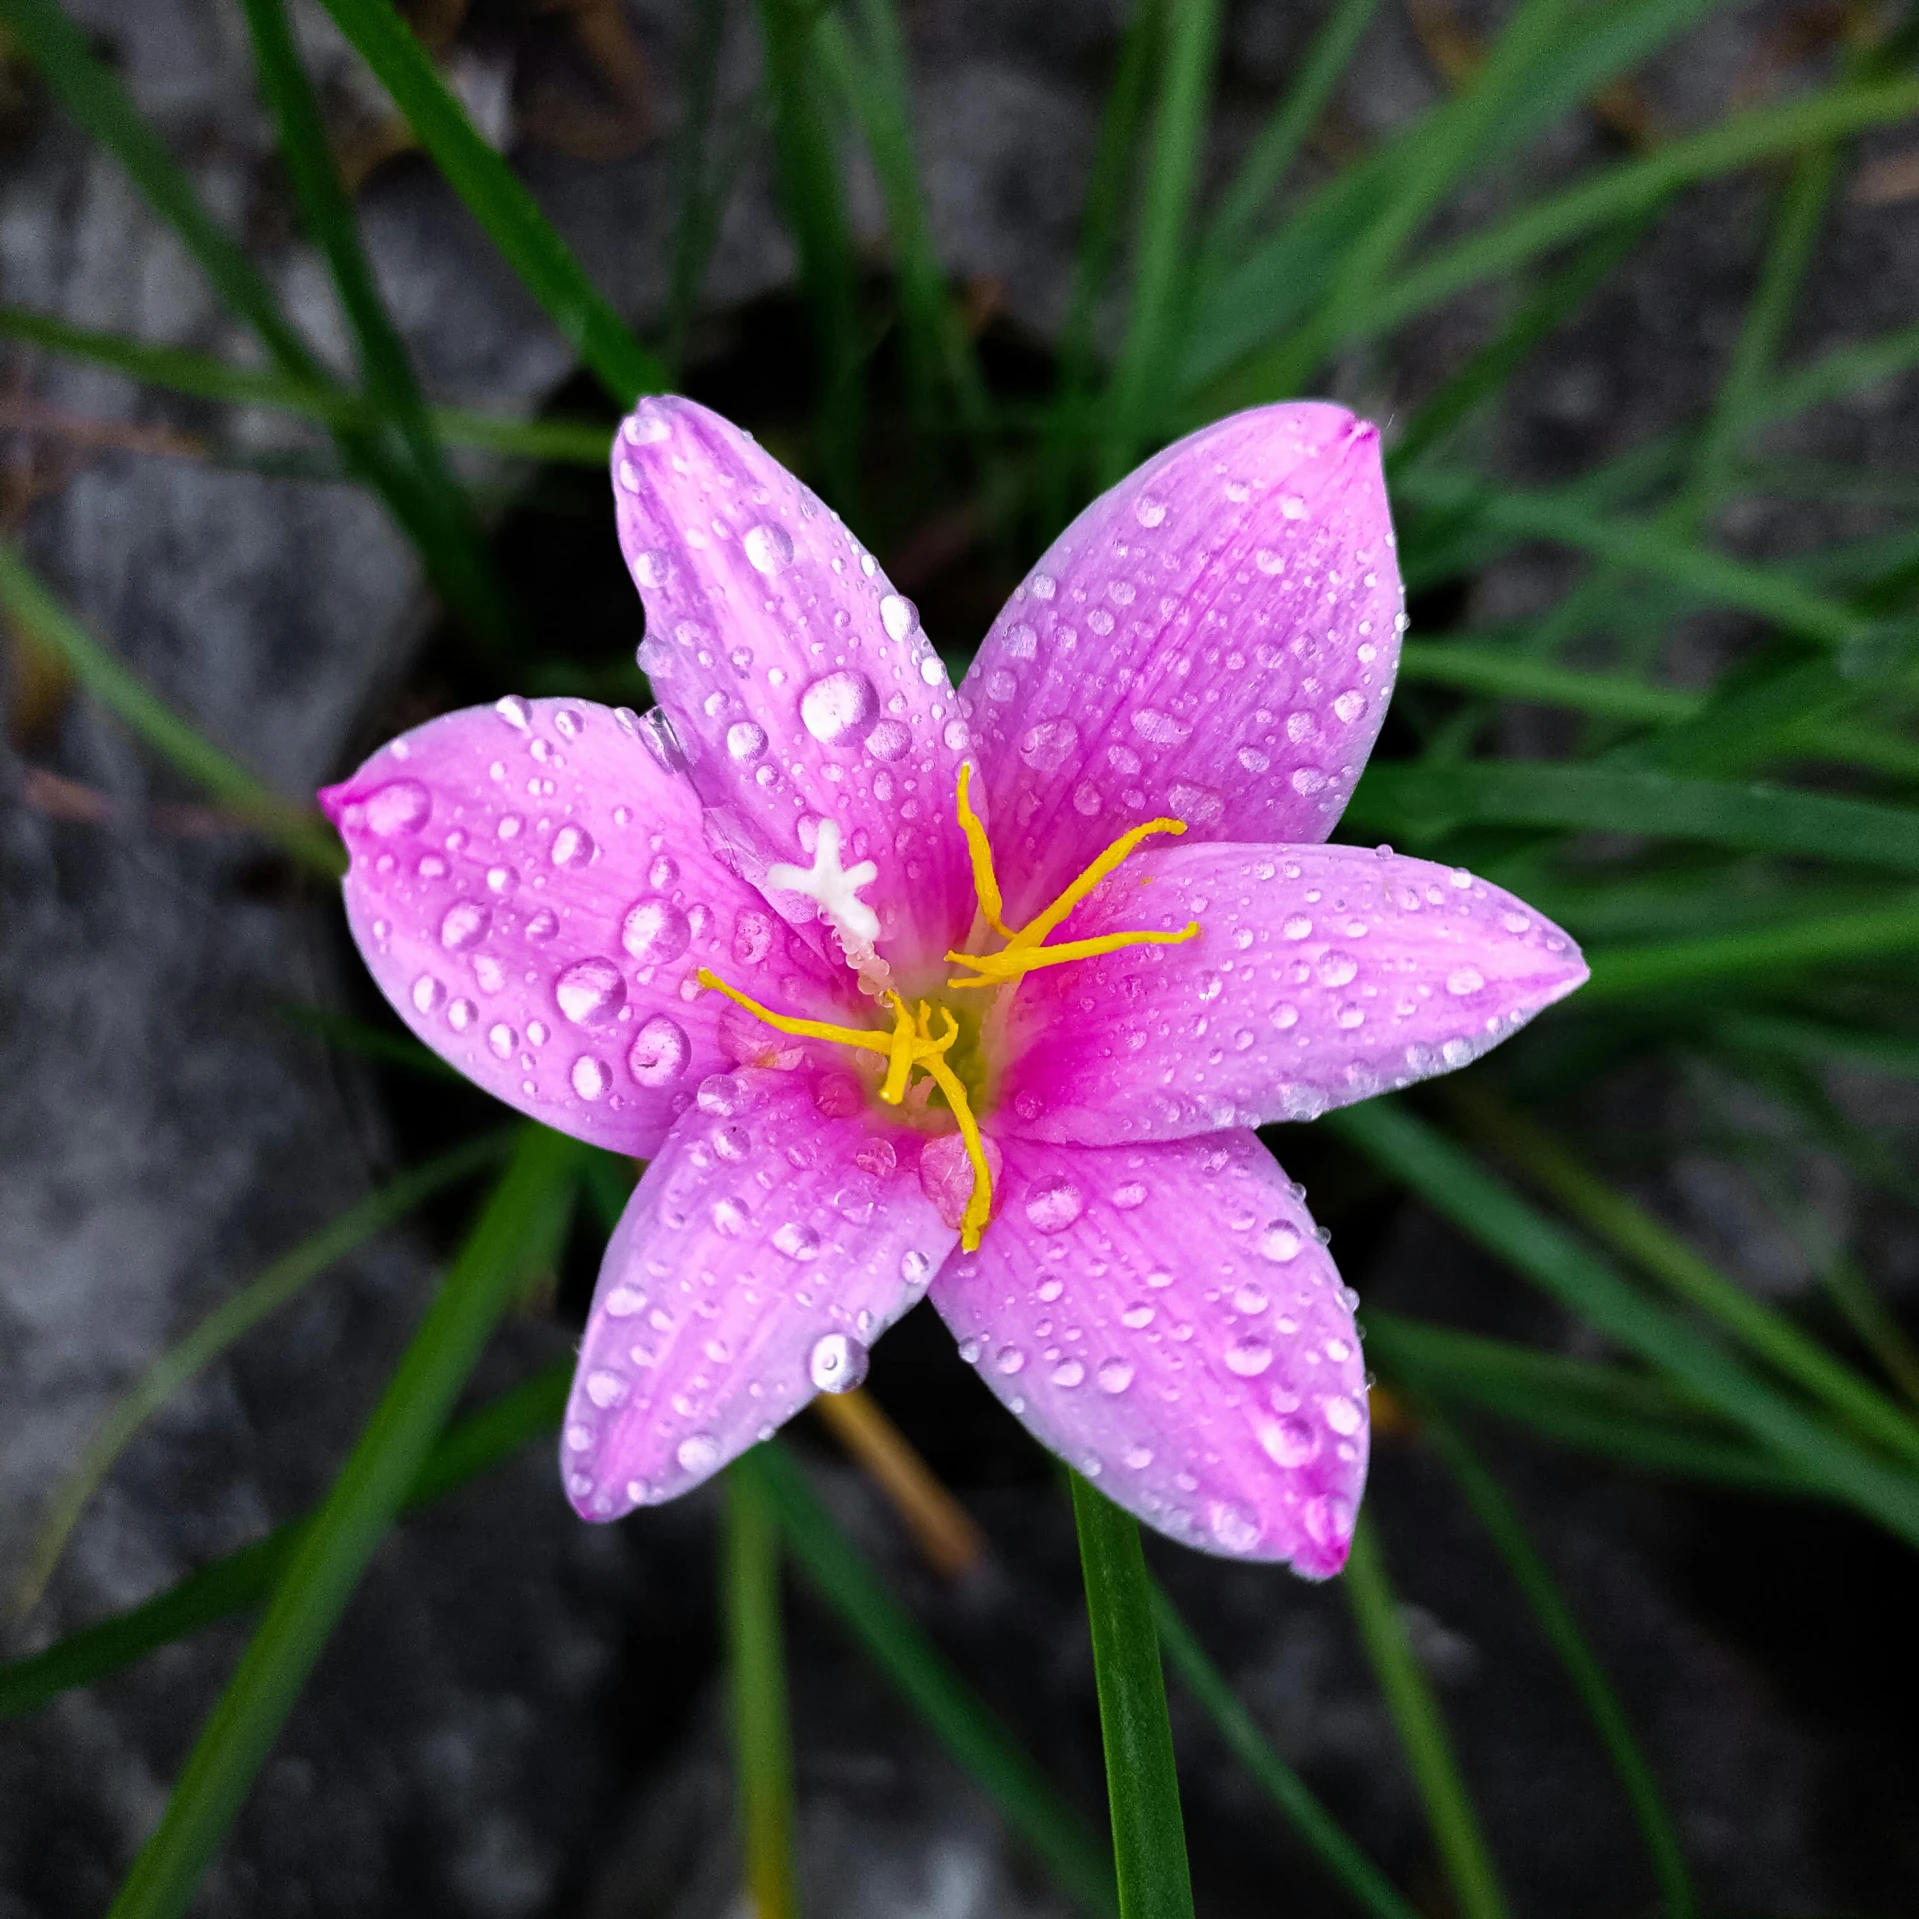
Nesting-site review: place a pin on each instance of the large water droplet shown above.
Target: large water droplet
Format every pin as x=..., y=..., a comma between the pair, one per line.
x=655, y=930
x=1463, y=980
x=590, y=992
x=797, y=1241
x=401, y=806
x=769, y=546
x=890, y=740
x=590, y=1077
x=837, y=1363
x=1290, y=1442
x=745, y=740
x=839, y=707
x=1343, y=1415
x=698, y=1453
x=1053, y=1203
x=1248, y=1357
x=1049, y=745
x=605, y=1389
x=465, y=925
x=660, y=1051
x=428, y=994
x=514, y=711
x=1114, y=1376
x=652, y=568
x=1161, y=728
x=572, y=846
x=1149, y=510
x=1280, y=1242
x=1068, y=1373
x=730, y=1218
x=899, y=616
x=1232, y=1525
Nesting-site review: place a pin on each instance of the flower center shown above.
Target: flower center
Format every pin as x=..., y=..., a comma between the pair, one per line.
x=912, y=1046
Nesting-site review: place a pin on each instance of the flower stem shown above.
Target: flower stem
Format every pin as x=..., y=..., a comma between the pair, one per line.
x=762, y=1739
x=1142, y=1787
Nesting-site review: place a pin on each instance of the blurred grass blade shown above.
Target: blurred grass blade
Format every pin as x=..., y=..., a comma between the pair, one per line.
x=1626, y=1417
x=876, y=85
x=498, y=199
x=1556, y=1620
x=696, y=198
x=962, y=1722
x=1189, y=52
x=1873, y=1323
x=1114, y=160
x=1822, y=940
x=1142, y=1784
x=28, y=603
x=1629, y=1229
x=1835, y=375
x=230, y=1321
x=1824, y=1042
x=1504, y=674
x=1271, y=157
x=482, y=1440
x=1419, y=801
x=1422, y=1730
x=459, y=557
x=756, y=1666
x=517, y=1236
x=1459, y=1188
x=1343, y=1860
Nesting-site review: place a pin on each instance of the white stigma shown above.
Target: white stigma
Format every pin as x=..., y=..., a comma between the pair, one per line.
x=834, y=889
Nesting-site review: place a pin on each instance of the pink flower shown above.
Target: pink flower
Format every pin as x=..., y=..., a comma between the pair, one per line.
x=787, y=937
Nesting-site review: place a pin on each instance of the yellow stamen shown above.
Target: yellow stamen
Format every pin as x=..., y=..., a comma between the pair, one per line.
x=910, y=1044
x=1036, y=929
x=995, y=969
x=985, y=881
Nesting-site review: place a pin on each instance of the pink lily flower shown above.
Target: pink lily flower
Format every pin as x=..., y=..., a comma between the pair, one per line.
x=900, y=989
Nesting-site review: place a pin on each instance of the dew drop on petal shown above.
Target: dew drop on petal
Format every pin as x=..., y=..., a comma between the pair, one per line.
x=1054, y=1203
x=1248, y=1357
x=590, y=992
x=769, y=546
x=797, y=1241
x=1068, y=1373
x=1148, y=510
x=745, y=740
x=890, y=740
x=1114, y=1376
x=1343, y=1415
x=660, y=1051
x=837, y=1363
x=1279, y=1242
x=655, y=930
x=898, y=615
x=1289, y=1442
x=839, y=707
x=1049, y=745
x=428, y=994
x=514, y=711
x=1463, y=980
x=605, y=1389
x=465, y=925
x=698, y=1453
x=401, y=806
x=590, y=1077
x=1232, y=1526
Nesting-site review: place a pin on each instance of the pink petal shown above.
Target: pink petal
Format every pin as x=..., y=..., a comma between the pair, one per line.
x=1165, y=1320
x=1321, y=975
x=774, y=1237
x=1214, y=639
x=530, y=888
x=799, y=681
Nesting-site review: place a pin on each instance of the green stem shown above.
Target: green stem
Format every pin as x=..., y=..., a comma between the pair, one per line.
x=762, y=1739
x=1142, y=1786
x=1422, y=1731
x=515, y=1236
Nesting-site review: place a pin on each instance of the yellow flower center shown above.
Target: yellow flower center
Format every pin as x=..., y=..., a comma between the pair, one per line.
x=912, y=1045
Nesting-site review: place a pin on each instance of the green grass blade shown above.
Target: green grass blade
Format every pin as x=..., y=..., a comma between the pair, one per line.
x=1343, y=1860
x=1738, y=141
x=1630, y=1230
x=958, y=1718
x=1826, y=940
x=28, y=603
x=456, y=552
x=1835, y=375
x=696, y=204
x=1504, y=674
x=1189, y=53
x=482, y=1440
x=1272, y=154
x=497, y=198
x=1873, y=1324
x=1418, y=801
x=1534, y=1579
x=756, y=1662
x=1462, y=1190
x=1823, y=1042
x=1627, y=1418
x=517, y=1234
x=1142, y=1784
x=230, y=1321
x=1422, y=1731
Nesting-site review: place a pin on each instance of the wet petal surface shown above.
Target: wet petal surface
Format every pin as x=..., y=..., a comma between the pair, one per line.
x=799, y=681
x=1321, y=975
x=778, y=1232
x=531, y=888
x=1215, y=639
x=1165, y=1320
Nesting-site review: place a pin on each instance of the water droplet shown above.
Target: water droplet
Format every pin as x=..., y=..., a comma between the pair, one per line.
x=1232, y=1525
x=1161, y=728
x=890, y=740
x=745, y=740
x=1463, y=980
x=461, y=1014
x=698, y=1453
x=428, y=994
x=465, y=925
x=1053, y=1203
x=1349, y=706
x=915, y=1268
x=605, y=1389
x=730, y=1217
x=590, y=1076
x=877, y=1157
x=1279, y=1242
x=837, y=1363
x=501, y=1038
x=590, y=992
x=1047, y=746
x=1149, y=510
x=514, y=711
x=1132, y=1194
x=1298, y=927
x=502, y=881
x=1289, y=1442
x=769, y=546
x=655, y=930
x=652, y=568
x=731, y=1142
x=724, y=1095
x=797, y=1241
x=1138, y=1457
x=1328, y=1521
x=1248, y=1357
x=1009, y=1360
x=1335, y=969
x=543, y=925
x=1114, y=1376
x=1344, y=1415
x=660, y=1051
x=899, y=616
x=1068, y=1373
x=839, y=707
x=1137, y=1317
x=572, y=846
x=1292, y=506
x=752, y=936
x=401, y=806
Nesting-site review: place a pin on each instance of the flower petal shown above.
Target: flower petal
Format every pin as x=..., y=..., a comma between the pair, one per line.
x=799, y=681
x=1213, y=639
x=1320, y=976
x=1164, y=1319
x=531, y=889
x=777, y=1233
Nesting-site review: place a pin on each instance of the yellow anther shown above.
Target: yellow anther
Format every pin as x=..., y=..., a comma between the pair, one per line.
x=901, y=1051
x=995, y=969
x=985, y=881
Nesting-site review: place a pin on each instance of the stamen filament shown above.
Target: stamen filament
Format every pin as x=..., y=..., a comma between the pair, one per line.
x=995, y=969
x=985, y=880
x=1036, y=929
x=861, y=1036
x=979, y=1204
